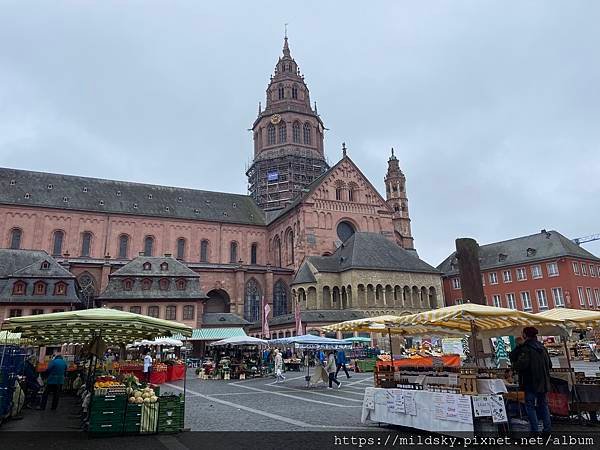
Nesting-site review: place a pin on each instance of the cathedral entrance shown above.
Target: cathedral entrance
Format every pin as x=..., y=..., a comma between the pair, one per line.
x=218, y=302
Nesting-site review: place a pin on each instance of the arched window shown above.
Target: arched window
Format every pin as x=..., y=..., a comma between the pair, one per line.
x=188, y=312
x=153, y=311
x=164, y=266
x=282, y=133
x=277, y=251
x=147, y=266
x=146, y=284
x=253, y=253
x=181, y=248
x=86, y=243
x=345, y=230
x=15, y=238
x=296, y=132
x=307, y=134
x=39, y=288
x=294, y=92
x=164, y=284
x=123, y=245
x=352, y=190
x=181, y=284
x=127, y=284
x=148, y=245
x=280, y=299
x=87, y=287
x=60, y=288
x=252, y=301
x=289, y=246
x=19, y=288
x=204, y=251
x=271, y=134
x=57, y=243
x=233, y=253
x=339, y=192
x=281, y=92
x=171, y=312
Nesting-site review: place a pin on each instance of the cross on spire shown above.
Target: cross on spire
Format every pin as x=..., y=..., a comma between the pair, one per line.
x=344, y=149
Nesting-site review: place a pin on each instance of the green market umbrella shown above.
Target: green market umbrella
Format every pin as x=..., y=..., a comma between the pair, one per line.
x=114, y=327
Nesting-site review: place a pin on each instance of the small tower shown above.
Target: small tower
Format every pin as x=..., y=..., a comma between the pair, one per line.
x=395, y=194
x=288, y=138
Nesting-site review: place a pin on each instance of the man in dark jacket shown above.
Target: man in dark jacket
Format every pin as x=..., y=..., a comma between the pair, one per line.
x=533, y=363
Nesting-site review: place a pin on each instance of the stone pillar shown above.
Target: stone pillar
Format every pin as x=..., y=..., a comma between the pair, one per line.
x=239, y=290
x=268, y=289
x=199, y=313
x=104, y=276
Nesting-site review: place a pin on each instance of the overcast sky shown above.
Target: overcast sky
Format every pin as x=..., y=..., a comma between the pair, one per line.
x=493, y=107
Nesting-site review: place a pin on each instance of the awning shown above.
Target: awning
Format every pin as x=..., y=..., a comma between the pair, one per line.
x=112, y=326
x=241, y=340
x=573, y=318
x=214, y=334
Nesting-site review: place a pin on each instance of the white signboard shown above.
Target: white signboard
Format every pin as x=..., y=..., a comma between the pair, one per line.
x=410, y=406
x=498, y=409
x=482, y=405
x=369, y=400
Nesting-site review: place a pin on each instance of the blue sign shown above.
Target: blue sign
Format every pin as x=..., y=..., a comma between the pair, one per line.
x=272, y=176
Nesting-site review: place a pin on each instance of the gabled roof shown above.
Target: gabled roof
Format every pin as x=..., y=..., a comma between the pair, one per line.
x=304, y=275
x=28, y=263
x=175, y=268
x=272, y=216
x=371, y=251
x=326, y=315
x=541, y=246
x=40, y=189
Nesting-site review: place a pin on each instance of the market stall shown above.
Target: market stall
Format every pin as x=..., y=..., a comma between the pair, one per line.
x=435, y=394
x=242, y=363
x=112, y=403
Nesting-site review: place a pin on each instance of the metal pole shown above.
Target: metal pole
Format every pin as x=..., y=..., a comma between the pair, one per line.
x=3, y=348
x=184, y=379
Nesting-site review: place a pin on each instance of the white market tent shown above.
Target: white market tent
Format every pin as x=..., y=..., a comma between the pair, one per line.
x=240, y=340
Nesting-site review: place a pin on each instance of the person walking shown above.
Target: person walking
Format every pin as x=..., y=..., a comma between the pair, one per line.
x=278, y=367
x=56, y=378
x=147, y=365
x=533, y=364
x=341, y=363
x=330, y=369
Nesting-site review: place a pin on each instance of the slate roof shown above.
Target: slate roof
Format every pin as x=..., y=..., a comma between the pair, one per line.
x=545, y=245
x=135, y=271
x=41, y=189
x=304, y=275
x=370, y=251
x=213, y=334
x=26, y=265
x=223, y=319
x=136, y=268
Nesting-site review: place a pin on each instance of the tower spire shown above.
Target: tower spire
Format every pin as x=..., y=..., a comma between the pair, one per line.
x=286, y=47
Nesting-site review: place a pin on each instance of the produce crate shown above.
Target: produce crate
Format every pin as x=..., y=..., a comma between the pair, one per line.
x=107, y=414
x=106, y=427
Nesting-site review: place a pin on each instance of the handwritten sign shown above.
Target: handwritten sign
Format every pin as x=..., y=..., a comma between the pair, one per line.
x=369, y=401
x=482, y=406
x=410, y=406
x=498, y=409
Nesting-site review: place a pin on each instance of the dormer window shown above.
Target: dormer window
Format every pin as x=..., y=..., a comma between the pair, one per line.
x=164, y=267
x=27, y=195
x=196, y=211
x=179, y=199
x=149, y=196
x=502, y=257
x=167, y=209
x=127, y=285
x=147, y=266
x=13, y=182
x=135, y=206
x=531, y=251
x=19, y=288
x=45, y=265
x=39, y=288
x=50, y=187
x=164, y=284
x=146, y=284
x=101, y=202
x=66, y=199
x=118, y=193
x=85, y=189
x=181, y=285
x=60, y=288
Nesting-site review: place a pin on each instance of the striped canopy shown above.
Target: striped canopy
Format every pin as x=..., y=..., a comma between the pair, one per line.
x=487, y=320
x=573, y=318
x=114, y=327
x=387, y=323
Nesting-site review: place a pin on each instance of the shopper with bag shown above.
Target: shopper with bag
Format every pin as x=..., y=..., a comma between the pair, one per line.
x=56, y=378
x=331, y=371
x=279, y=367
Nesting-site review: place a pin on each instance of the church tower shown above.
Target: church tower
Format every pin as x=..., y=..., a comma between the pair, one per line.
x=288, y=139
x=395, y=193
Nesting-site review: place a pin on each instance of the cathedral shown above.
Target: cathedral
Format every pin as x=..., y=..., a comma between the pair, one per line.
x=306, y=232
